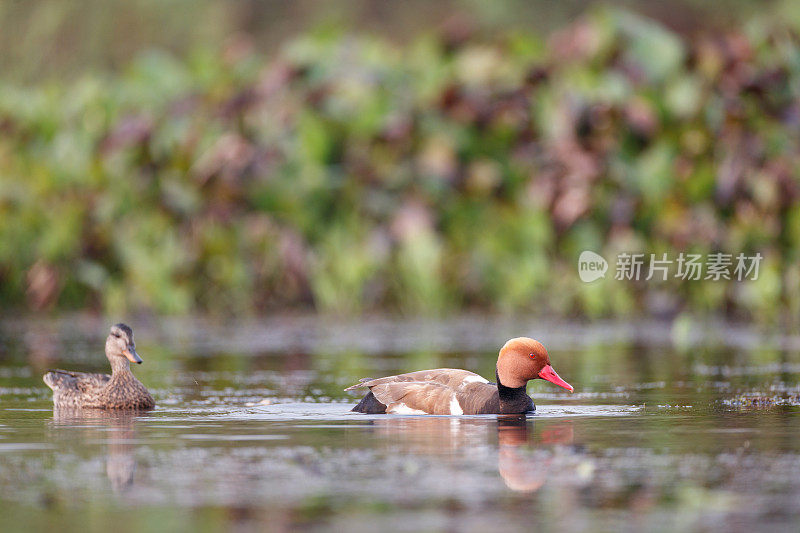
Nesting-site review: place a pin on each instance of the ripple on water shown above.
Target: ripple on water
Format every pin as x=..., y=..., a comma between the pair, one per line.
x=231, y=438
x=341, y=412
x=24, y=446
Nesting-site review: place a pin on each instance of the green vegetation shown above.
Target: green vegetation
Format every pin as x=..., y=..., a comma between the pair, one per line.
x=349, y=174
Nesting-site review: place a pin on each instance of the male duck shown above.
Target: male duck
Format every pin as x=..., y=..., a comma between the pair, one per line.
x=449, y=391
x=120, y=390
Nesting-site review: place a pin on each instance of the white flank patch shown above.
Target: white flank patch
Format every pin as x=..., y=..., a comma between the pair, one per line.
x=474, y=379
x=455, y=407
x=403, y=409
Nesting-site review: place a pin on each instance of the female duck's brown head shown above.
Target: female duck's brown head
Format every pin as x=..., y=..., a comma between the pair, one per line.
x=522, y=359
x=119, y=345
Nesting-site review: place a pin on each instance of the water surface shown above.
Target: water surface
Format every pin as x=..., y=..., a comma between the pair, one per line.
x=254, y=432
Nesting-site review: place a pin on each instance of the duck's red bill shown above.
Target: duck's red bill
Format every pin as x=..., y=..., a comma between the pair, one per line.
x=550, y=375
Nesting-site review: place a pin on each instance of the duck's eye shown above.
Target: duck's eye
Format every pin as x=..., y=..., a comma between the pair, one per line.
x=532, y=356
x=115, y=334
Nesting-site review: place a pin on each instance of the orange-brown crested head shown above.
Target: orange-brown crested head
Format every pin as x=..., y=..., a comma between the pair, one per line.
x=522, y=359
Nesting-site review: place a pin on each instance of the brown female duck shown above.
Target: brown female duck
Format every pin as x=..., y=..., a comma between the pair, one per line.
x=449, y=391
x=120, y=390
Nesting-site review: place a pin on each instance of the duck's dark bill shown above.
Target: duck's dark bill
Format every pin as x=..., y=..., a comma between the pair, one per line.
x=132, y=356
x=550, y=375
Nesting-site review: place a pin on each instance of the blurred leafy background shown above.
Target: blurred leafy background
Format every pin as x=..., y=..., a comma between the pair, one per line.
x=243, y=157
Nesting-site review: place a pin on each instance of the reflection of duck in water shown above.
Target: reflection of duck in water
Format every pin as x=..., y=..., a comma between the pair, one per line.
x=520, y=471
x=433, y=435
x=522, y=467
x=120, y=390
x=449, y=391
x=121, y=432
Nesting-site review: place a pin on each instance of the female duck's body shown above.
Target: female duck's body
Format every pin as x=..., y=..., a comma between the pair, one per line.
x=449, y=391
x=120, y=390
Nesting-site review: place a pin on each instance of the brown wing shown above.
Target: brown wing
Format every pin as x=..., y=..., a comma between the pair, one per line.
x=63, y=381
x=452, y=378
x=479, y=399
x=430, y=397
x=89, y=382
x=415, y=397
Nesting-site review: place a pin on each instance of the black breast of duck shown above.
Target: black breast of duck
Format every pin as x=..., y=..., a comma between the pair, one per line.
x=450, y=391
x=120, y=390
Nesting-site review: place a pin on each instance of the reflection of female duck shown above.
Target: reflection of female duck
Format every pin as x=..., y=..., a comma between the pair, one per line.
x=120, y=390
x=449, y=391
x=121, y=461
